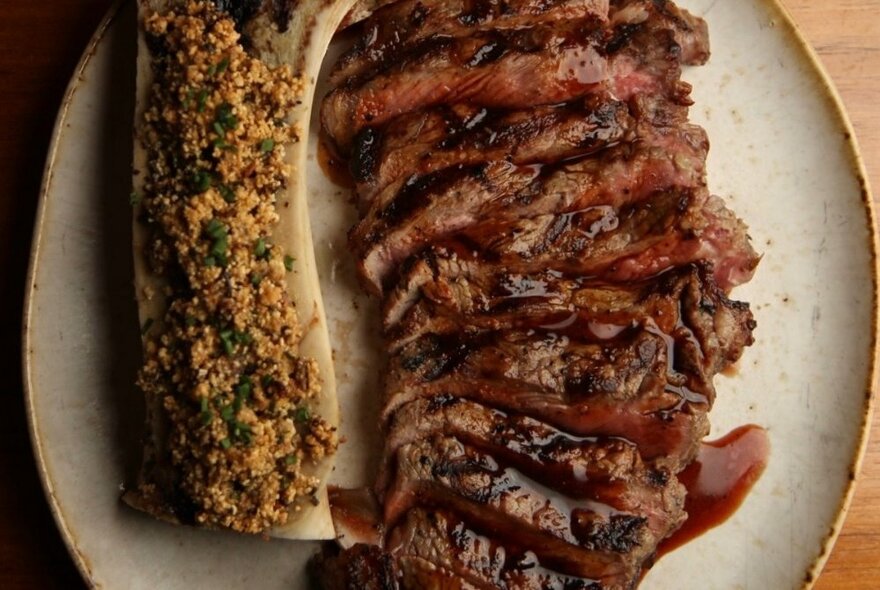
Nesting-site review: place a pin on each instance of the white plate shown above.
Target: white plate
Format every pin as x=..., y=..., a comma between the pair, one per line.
x=783, y=154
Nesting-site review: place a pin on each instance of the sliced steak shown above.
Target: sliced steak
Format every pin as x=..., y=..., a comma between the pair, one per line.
x=671, y=228
x=464, y=135
x=606, y=500
x=606, y=472
x=624, y=362
x=668, y=435
x=519, y=68
x=627, y=386
x=469, y=303
x=668, y=229
x=393, y=29
x=405, y=218
x=534, y=212
x=469, y=555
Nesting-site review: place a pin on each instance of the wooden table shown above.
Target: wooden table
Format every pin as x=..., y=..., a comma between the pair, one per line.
x=40, y=42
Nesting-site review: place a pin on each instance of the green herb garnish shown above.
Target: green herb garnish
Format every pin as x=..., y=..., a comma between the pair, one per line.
x=267, y=145
x=243, y=389
x=202, y=100
x=227, y=341
x=227, y=413
x=288, y=262
x=215, y=228
x=201, y=180
x=226, y=192
x=302, y=414
x=290, y=459
x=206, y=415
x=261, y=249
x=134, y=199
x=220, y=245
x=225, y=118
x=226, y=443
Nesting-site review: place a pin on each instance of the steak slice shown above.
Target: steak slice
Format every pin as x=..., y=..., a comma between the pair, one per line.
x=485, y=300
x=464, y=135
x=668, y=229
x=668, y=435
x=602, y=499
x=671, y=228
x=393, y=29
x=606, y=471
x=582, y=360
x=628, y=386
x=404, y=219
x=447, y=541
x=520, y=68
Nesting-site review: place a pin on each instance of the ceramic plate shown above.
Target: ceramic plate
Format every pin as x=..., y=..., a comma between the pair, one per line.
x=783, y=155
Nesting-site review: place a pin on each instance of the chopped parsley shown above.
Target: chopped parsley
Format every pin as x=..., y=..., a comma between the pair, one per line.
x=201, y=180
x=225, y=118
x=261, y=249
x=217, y=255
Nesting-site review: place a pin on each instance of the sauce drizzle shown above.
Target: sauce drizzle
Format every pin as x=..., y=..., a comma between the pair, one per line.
x=718, y=481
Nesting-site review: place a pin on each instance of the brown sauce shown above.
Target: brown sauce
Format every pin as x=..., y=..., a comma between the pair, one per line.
x=718, y=481
x=334, y=167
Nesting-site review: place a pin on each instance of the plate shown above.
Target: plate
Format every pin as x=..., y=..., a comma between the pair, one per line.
x=784, y=156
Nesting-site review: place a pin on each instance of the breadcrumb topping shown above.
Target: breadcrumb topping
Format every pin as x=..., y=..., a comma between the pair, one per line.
x=223, y=361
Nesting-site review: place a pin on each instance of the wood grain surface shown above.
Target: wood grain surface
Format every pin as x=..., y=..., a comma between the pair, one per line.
x=40, y=43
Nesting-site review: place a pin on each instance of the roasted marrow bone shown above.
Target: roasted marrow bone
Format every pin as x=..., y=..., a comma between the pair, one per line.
x=237, y=375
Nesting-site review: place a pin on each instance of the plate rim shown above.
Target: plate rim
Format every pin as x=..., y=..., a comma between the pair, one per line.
x=816, y=71
x=821, y=74
x=46, y=481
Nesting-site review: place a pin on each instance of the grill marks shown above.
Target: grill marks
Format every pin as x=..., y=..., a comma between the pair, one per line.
x=554, y=274
x=401, y=221
x=400, y=25
x=519, y=68
x=462, y=134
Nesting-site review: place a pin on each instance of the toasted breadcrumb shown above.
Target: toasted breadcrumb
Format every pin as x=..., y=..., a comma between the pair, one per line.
x=224, y=361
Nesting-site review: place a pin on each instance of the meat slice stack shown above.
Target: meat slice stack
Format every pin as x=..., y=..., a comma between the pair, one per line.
x=554, y=276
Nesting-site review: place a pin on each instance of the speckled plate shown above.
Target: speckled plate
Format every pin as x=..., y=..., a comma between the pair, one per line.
x=783, y=154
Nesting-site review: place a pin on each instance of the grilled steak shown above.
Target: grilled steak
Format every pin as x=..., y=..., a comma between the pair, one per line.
x=399, y=26
x=462, y=135
x=410, y=214
x=544, y=64
x=554, y=274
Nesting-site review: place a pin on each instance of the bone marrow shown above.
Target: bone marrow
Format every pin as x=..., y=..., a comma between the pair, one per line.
x=241, y=407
